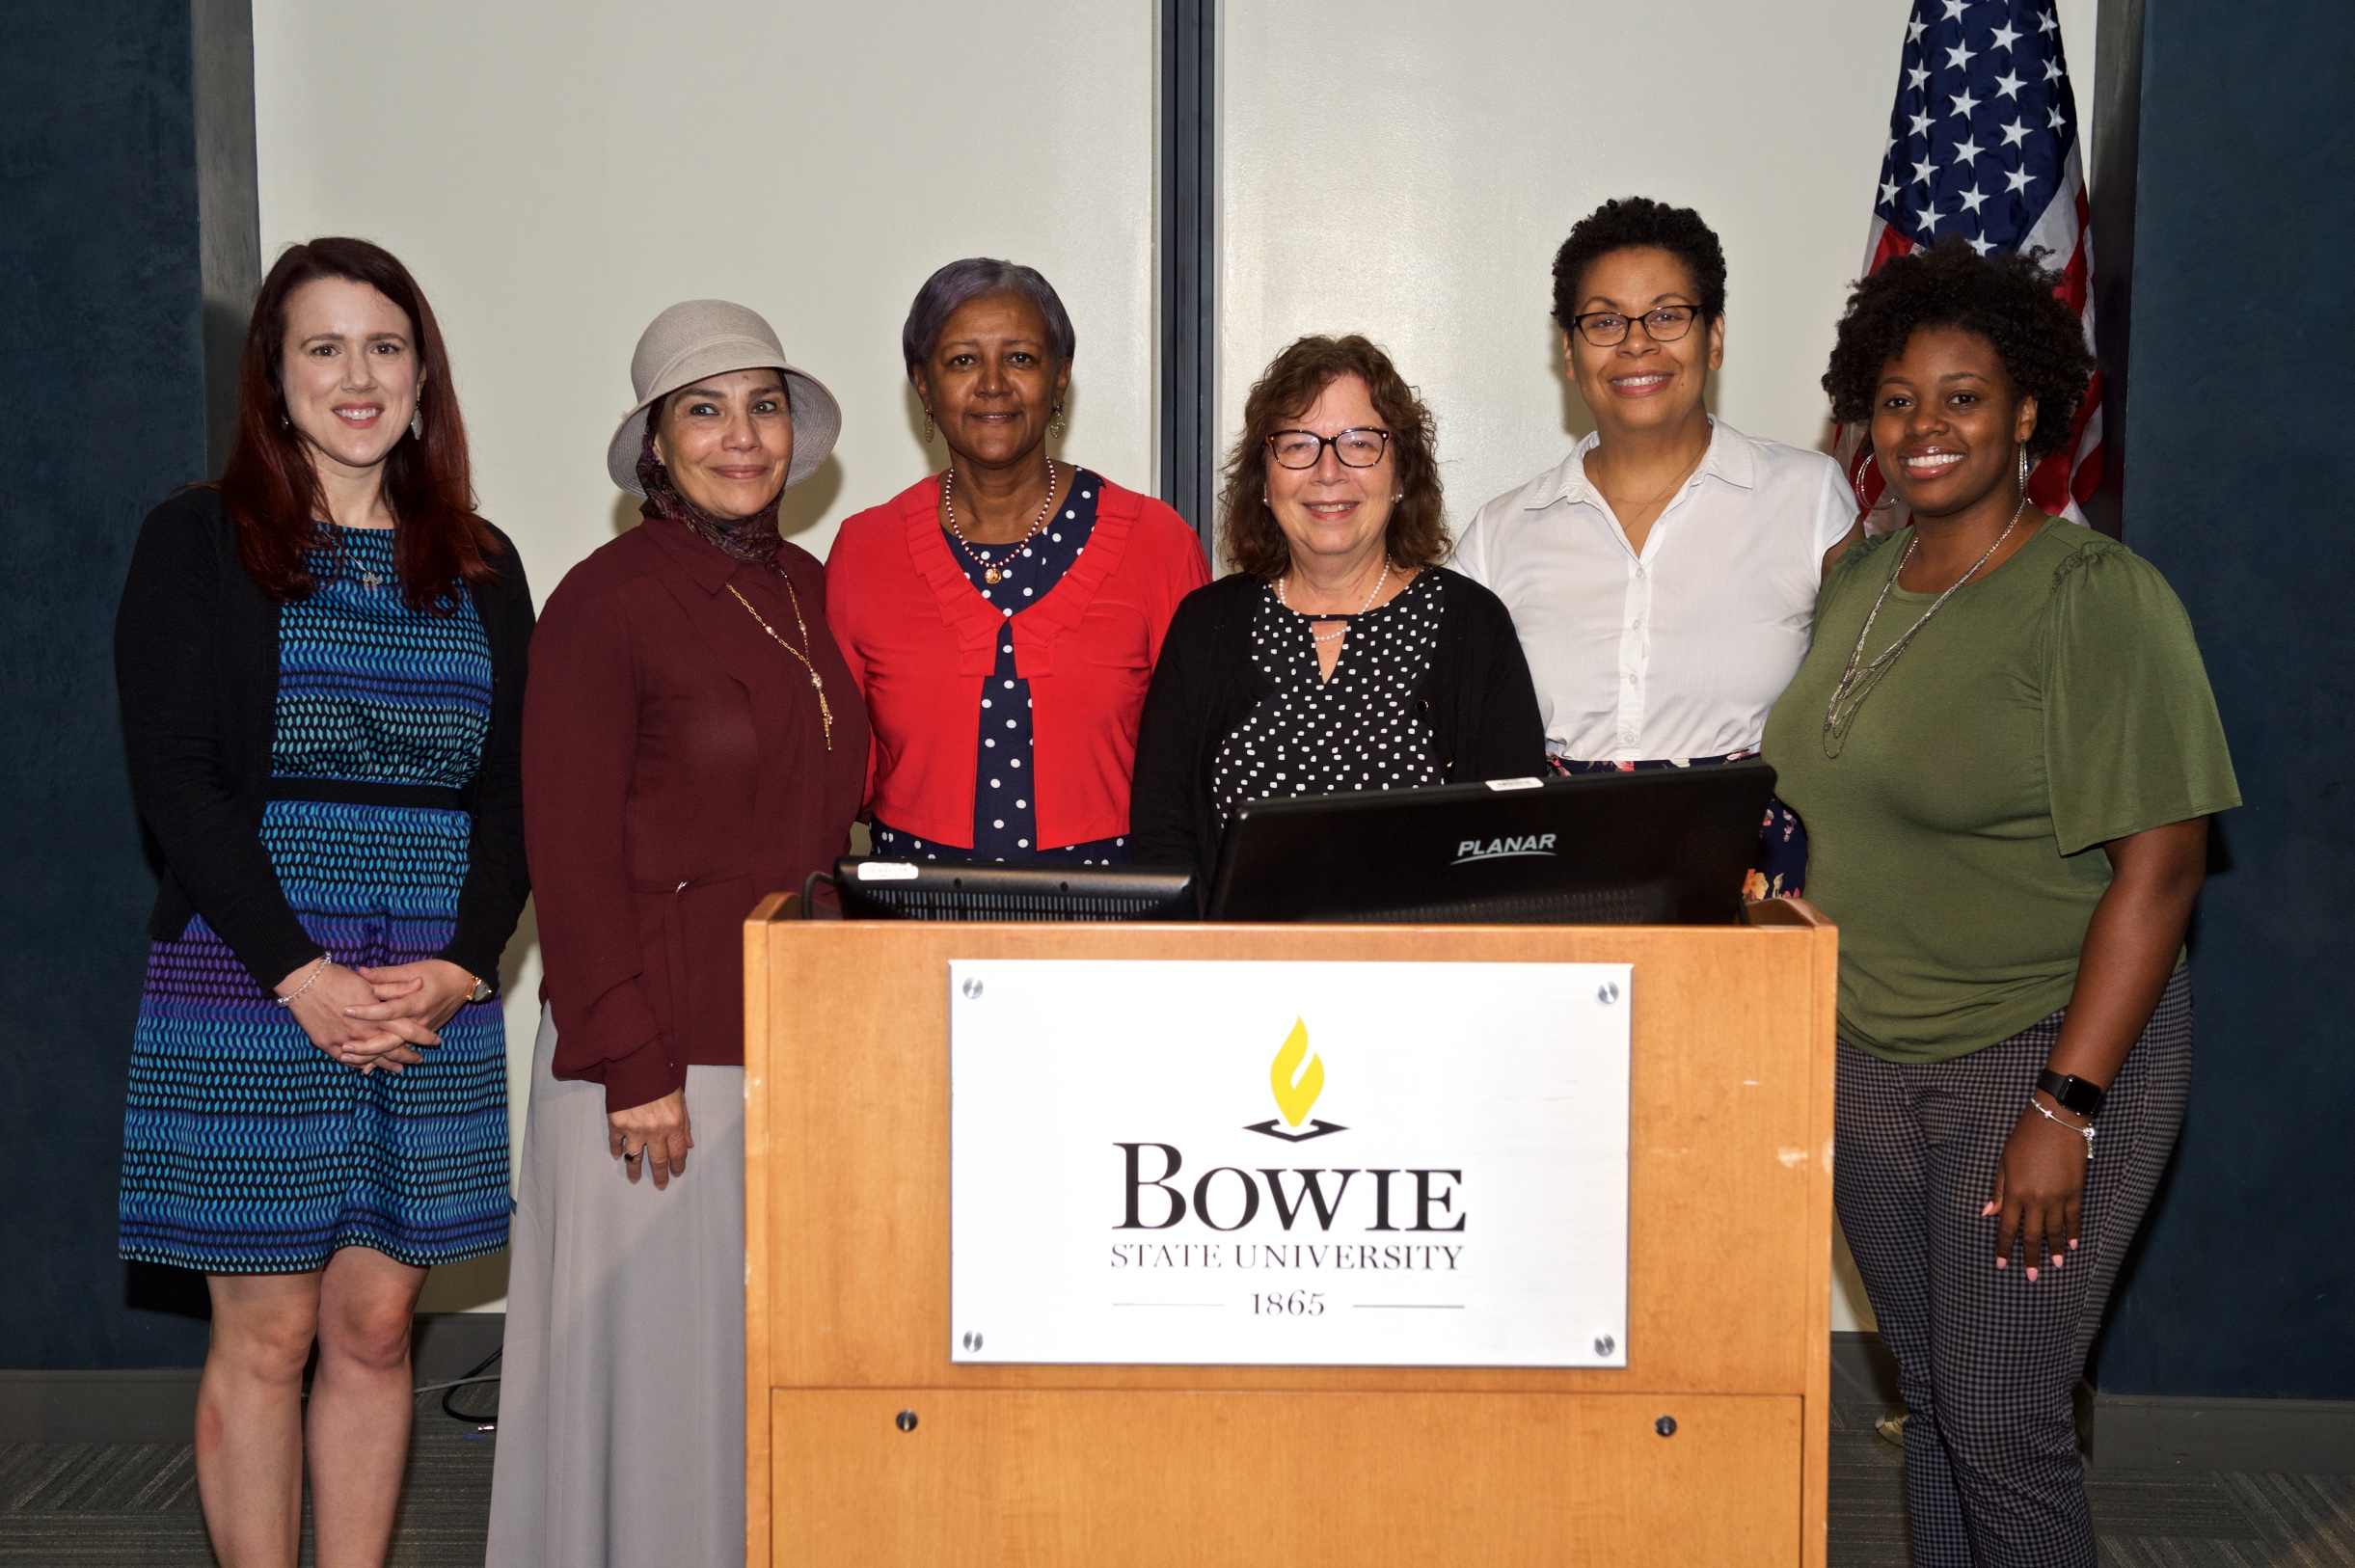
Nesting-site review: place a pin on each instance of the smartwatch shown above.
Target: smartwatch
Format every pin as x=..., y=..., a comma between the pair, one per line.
x=2072, y=1094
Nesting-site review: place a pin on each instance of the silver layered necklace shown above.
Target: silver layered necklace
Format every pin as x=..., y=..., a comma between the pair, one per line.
x=1855, y=684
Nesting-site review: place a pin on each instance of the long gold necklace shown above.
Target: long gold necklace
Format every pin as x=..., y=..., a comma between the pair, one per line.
x=825, y=714
x=993, y=573
x=1855, y=684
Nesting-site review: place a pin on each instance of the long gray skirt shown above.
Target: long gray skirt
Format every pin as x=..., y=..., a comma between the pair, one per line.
x=621, y=1406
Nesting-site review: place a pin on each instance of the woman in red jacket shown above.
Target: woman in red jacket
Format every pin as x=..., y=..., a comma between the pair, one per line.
x=692, y=741
x=1002, y=618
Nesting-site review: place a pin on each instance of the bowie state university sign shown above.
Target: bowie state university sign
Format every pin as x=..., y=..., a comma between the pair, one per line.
x=1290, y=1164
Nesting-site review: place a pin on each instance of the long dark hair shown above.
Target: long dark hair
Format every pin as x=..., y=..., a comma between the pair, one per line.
x=271, y=488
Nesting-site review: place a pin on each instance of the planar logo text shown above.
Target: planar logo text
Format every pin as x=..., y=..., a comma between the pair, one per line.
x=1470, y=849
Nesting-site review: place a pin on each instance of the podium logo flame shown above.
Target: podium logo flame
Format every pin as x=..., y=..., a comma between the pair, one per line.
x=1298, y=1080
x=1296, y=1096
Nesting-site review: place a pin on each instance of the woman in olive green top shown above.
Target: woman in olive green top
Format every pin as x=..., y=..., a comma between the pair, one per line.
x=2004, y=747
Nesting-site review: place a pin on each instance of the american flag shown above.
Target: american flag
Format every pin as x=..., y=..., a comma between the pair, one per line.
x=1984, y=144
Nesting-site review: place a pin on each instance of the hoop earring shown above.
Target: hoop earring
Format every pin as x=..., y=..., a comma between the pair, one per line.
x=1054, y=426
x=928, y=428
x=2023, y=468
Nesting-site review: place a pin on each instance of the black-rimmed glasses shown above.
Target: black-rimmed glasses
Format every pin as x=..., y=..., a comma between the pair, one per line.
x=1662, y=324
x=1306, y=448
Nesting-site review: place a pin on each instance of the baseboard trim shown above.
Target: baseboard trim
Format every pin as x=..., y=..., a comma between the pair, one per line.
x=158, y=1404
x=142, y=1405
x=2120, y=1431
x=2134, y=1431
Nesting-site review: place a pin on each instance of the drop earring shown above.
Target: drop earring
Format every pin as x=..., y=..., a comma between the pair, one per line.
x=928, y=428
x=417, y=420
x=1054, y=426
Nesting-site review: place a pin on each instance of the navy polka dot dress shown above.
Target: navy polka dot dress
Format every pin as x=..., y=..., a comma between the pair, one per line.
x=1356, y=731
x=1005, y=804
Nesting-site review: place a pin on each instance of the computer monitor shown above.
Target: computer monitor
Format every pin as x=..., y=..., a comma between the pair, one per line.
x=877, y=888
x=1667, y=845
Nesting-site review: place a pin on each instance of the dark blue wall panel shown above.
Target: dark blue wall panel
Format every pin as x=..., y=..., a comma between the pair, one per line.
x=102, y=412
x=2241, y=488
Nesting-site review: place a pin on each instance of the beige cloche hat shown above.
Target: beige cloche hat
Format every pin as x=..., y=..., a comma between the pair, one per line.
x=696, y=338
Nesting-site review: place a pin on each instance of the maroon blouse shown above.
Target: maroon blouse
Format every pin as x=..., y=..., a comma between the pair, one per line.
x=675, y=771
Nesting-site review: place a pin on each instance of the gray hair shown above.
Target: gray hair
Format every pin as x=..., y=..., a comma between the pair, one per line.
x=962, y=281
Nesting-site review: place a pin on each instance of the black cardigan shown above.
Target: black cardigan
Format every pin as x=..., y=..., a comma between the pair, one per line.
x=1476, y=700
x=196, y=668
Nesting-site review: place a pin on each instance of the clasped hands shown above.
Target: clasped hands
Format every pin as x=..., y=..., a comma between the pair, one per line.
x=377, y=1016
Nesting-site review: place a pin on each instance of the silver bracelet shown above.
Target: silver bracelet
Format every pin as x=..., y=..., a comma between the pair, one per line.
x=316, y=970
x=2085, y=1132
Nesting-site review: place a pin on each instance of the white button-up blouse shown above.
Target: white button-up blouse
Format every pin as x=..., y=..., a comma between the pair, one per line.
x=1679, y=651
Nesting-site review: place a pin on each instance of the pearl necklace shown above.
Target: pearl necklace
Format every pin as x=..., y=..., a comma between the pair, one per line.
x=993, y=573
x=1330, y=637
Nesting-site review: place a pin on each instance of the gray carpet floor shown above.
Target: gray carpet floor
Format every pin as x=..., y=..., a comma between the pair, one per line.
x=134, y=1505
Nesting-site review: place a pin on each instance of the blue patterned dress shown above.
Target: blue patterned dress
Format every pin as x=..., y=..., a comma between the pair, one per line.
x=246, y=1150
x=1005, y=816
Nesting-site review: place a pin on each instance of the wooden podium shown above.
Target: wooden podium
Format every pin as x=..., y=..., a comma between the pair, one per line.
x=847, y=1296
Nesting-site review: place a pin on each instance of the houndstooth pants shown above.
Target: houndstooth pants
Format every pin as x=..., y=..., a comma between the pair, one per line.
x=1988, y=1363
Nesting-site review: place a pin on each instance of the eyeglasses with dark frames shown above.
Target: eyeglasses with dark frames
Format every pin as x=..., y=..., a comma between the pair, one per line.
x=1306, y=448
x=1662, y=323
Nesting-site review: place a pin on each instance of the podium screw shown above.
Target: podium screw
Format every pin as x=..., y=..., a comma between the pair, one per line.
x=1605, y=1345
x=907, y=1421
x=972, y=990
x=1665, y=1426
x=1606, y=993
x=973, y=1341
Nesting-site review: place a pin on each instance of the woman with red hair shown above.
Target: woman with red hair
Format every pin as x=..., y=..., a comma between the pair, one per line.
x=320, y=660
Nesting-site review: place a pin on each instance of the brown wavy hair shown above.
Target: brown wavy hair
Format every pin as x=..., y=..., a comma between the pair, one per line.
x=271, y=489
x=1248, y=533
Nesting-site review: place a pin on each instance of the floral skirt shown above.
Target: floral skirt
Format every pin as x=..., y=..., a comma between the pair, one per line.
x=1781, y=870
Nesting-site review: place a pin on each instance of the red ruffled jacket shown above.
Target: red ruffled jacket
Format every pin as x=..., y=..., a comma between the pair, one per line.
x=920, y=641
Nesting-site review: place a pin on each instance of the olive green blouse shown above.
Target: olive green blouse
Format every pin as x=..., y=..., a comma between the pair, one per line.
x=2055, y=704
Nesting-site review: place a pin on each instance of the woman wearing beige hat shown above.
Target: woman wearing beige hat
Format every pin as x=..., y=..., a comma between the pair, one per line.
x=691, y=741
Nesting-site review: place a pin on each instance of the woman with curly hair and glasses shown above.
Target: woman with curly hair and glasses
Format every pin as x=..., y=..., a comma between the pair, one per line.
x=1663, y=575
x=1339, y=655
x=2006, y=751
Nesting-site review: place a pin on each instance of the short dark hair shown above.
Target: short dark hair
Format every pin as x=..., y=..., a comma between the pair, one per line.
x=1248, y=531
x=2007, y=299
x=1630, y=223
x=961, y=281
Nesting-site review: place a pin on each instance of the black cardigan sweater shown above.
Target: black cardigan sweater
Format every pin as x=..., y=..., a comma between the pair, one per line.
x=1476, y=700
x=196, y=668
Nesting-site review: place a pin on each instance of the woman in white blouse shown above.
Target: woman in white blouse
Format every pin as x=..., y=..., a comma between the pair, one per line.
x=1663, y=577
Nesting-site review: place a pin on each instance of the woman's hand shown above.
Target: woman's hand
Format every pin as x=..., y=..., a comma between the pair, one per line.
x=429, y=992
x=655, y=1136
x=324, y=1010
x=2040, y=1190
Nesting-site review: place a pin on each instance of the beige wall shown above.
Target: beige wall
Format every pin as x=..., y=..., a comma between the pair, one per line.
x=1407, y=171
x=555, y=174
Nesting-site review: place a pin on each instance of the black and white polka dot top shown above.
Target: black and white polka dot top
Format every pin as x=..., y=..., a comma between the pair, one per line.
x=1357, y=731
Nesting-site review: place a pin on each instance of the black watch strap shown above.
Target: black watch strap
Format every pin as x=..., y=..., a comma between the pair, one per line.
x=2072, y=1094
